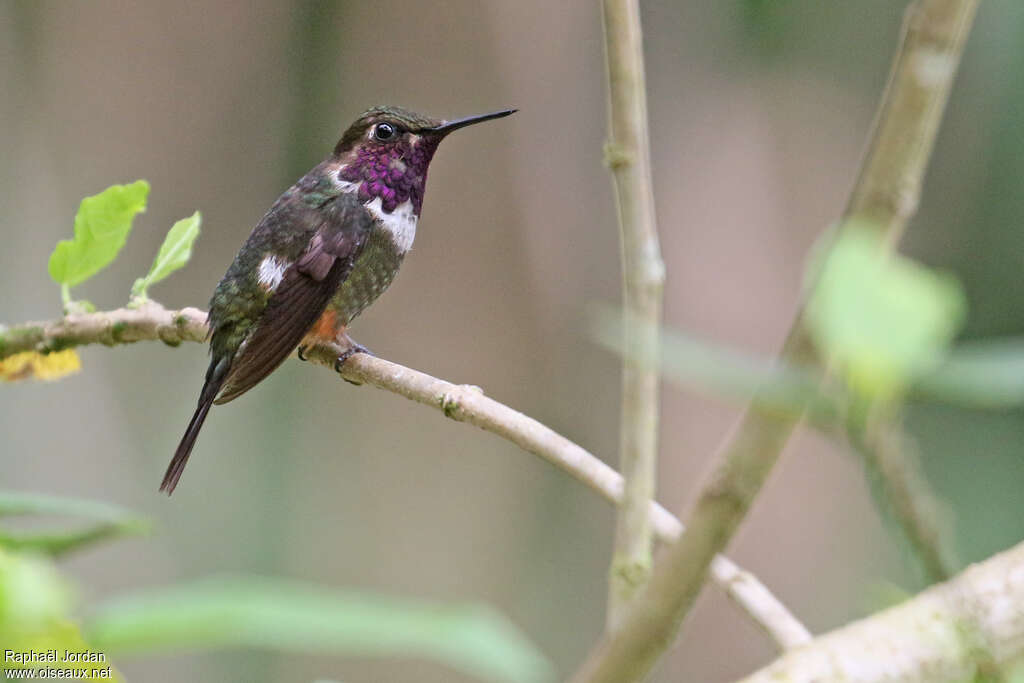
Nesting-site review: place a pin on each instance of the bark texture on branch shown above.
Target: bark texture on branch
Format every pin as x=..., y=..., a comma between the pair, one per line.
x=968, y=629
x=463, y=403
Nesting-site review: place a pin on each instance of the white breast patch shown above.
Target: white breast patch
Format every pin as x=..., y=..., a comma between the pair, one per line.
x=401, y=222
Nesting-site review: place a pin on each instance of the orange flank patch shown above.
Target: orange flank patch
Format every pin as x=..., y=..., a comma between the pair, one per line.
x=326, y=327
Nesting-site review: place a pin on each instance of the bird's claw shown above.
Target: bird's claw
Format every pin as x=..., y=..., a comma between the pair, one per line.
x=352, y=350
x=302, y=353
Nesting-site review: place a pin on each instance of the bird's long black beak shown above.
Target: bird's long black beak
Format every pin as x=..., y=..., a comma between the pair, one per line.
x=449, y=126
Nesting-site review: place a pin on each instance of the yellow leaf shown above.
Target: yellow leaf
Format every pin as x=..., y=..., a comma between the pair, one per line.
x=35, y=365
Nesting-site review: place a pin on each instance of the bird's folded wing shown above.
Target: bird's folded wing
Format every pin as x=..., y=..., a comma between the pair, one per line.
x=301, y=297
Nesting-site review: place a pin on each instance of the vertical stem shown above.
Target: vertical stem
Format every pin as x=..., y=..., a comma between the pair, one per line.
x=892, y=461
x=627, y=154
x=886, y=192
x=888, y=186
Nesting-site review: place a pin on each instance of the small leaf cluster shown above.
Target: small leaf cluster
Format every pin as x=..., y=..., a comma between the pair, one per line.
x=102, y=225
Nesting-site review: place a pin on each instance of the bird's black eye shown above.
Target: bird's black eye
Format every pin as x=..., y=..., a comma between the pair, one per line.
x=383, y=131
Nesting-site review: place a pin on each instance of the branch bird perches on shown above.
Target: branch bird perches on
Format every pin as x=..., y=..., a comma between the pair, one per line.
x=463, y=403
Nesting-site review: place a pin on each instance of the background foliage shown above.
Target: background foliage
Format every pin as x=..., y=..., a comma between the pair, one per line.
x=758, y=111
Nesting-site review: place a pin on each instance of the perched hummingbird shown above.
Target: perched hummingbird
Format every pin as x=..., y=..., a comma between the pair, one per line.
x=328, y=247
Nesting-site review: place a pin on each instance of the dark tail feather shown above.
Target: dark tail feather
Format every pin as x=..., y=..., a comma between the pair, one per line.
x=214, y=379
x=180, y=458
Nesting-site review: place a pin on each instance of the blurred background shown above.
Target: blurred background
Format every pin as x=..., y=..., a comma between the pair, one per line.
x=759, y=111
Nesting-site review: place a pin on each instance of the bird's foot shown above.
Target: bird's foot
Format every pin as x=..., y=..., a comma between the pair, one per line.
x=302, y=353
x=352, y=350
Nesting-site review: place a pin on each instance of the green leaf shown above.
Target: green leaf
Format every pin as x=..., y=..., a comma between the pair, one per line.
x=101, y=228
x=12, y=503
x=985, y=373
x=883, y=319
x=32, y=593
x=279, y=615
x=704, y=365
x=110, y=521
x=174, y=253
x=34, y=605
x=62, y=542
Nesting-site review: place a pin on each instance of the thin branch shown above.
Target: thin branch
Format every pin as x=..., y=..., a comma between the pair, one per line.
x=463, y=403
x=968, y=629
x=888, y=186
x=643, y=274
x=886, y=193
x=150, y=322
x=893, y=466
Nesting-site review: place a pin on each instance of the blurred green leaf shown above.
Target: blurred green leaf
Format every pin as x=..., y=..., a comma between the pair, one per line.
x=698, y=363
x=978, y=374
x=101, y=228
x=34, y=605
x=58, y=543
x=983, y=374
x=294, y=617
x=882, y=318
x=174, y=253
x=1015, y=673
x=32, y=593
x=13, y=503
x=112, y=521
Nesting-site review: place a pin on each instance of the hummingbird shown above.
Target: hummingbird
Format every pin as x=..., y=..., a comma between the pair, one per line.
x=326, y=249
